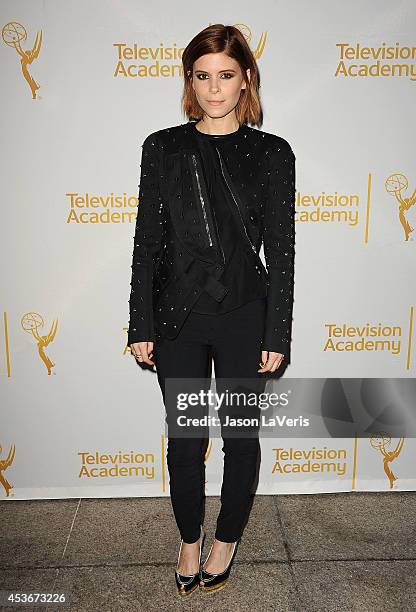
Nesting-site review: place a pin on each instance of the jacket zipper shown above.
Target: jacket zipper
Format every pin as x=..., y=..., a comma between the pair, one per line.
x=236, y=203
x=219, y=241
x=201, y=199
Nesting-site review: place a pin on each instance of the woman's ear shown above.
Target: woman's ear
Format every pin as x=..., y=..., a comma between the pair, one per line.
x=248, y=76
x=189, y=75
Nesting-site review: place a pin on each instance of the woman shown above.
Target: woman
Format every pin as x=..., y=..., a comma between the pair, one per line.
x=212, y=190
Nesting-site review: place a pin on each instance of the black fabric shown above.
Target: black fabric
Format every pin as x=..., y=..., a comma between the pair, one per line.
x=239, y=274
x=233, y=342
x=171, y=231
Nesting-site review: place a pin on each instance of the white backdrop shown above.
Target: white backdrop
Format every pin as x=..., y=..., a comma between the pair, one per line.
x=88, y=81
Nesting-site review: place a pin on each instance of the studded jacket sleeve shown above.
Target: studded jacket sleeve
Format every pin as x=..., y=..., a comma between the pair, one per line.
x=148, y=241
x=279, y=248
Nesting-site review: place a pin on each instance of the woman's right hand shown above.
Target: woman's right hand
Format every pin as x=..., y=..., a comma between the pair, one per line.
x=143, y=352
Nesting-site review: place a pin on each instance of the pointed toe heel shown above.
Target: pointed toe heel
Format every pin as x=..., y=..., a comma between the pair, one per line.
x=186, y=584
x=209, y=583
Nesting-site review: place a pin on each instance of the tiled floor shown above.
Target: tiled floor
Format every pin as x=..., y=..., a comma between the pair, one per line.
x=353, y=551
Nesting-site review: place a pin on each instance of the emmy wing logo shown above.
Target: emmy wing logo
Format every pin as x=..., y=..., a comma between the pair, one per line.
x=4, y=464
x=14, y=34
x=207, y=453
x=32, y=322
x=395, y=185
x=246, y=32
x=379, y=442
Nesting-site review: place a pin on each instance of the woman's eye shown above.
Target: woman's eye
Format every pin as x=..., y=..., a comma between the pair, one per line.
x=227, y=76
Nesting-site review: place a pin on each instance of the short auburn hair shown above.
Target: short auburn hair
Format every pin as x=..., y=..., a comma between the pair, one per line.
x=220, y=38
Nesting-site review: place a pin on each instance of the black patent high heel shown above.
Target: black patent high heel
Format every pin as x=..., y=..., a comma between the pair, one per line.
x=214, y=582
x=187, y=583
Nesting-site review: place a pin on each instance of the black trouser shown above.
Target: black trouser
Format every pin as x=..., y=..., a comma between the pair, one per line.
x=233, y=340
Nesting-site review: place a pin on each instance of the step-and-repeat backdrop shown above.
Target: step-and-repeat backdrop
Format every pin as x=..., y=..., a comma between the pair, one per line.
x=83, y=84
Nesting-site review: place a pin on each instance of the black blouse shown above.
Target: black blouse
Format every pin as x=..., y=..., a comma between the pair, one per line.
x=238, y=272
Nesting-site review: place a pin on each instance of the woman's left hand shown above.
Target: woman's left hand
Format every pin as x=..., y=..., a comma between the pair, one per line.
x=270, y=361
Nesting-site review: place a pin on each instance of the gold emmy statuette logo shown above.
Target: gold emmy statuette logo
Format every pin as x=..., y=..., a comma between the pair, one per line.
x=13, y=34
x=31, y=322
x=207, y=453
x=246, y=32
x=4, y=464
x=380, y=441
x=395, y=184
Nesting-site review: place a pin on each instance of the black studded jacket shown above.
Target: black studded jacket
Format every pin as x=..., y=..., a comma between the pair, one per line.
x=177, y=253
